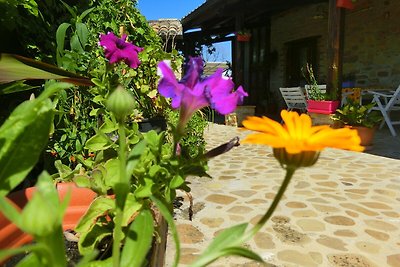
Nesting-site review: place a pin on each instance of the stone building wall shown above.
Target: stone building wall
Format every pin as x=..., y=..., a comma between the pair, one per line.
x=372, y=41
x=296, y=24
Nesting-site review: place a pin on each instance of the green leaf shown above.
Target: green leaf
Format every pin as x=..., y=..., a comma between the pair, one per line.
x=108, y=126
x=10, y=213
x=166, y=213
x=131, y=206
x=98, y=83
x=98, y=208
x=134, y=157
x=144, y=88
x=75, y=44
x=82, y=181
x=226, y=239
x=94, y=111
x=243, y=252
x=15, y=68
x=42, y=214
x=145, y=189
x=15, y=87
x=60, y=37
x=105, y=263
x=23, y=136
x=30, y=260
x=70, y=9
x=113, y=171
x=88, y=258
x=5, y=253
x=98, y=99
x=176, y=182
x=98, y=142
x=82, y=32
x=138, y=240
x=89, y=240
x=85, y=13
x=64, y=172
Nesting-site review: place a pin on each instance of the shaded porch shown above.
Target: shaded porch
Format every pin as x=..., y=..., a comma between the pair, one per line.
x=287, y=34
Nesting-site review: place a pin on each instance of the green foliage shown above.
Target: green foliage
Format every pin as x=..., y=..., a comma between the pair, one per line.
x=32, y=25
x=23, y=136
x=193, y=143
x=95, y=147
x=144, y=224
x=152, y=170
x=82, y=111
x=355, y=114
x=314, y=92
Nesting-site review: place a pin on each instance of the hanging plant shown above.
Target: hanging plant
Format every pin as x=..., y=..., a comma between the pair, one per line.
x=243, y=36
x=348, y=4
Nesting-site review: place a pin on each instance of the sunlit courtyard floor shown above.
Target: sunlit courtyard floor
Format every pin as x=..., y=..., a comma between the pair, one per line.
x=344, y=211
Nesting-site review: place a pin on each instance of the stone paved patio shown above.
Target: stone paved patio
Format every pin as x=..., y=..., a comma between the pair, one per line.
x=344, y=211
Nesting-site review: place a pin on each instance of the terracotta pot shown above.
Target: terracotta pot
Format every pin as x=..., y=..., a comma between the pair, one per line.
x=13, y=237
x=243, y=37
x=323, y=107
x=348, y=4
x=366, y=135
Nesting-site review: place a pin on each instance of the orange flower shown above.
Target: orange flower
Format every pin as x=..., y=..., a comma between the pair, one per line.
x=297, y=135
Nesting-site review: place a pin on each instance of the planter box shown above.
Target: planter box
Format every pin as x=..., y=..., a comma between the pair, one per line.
x=322, y=107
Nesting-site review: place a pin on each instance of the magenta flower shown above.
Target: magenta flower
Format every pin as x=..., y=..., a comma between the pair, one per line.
x=117, y=49
x=194, y=92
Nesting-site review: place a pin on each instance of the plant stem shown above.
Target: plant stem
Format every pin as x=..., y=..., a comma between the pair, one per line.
x=121, y=193
x=54, y=243
x=289, y=174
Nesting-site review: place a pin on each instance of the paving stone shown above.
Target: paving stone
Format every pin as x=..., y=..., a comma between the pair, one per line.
x=329, y=216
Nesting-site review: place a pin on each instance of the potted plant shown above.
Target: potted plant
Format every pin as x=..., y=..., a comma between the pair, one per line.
x=348, y=4
x=11, y=236
x=243, y=36
x=361, y=118
x=318, y=101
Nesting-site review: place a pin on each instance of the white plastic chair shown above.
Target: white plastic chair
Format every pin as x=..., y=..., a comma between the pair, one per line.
x=386, y=102
x=294, y=98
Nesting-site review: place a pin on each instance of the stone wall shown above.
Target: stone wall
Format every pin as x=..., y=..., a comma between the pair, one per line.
x=372, y=41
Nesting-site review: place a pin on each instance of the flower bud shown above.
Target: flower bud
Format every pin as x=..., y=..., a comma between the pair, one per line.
x=121, y=103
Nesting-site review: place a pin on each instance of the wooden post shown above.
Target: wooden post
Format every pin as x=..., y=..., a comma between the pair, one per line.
x=335, y=49
x=239, y=53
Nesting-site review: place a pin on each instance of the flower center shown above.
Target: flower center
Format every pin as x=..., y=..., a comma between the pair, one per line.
x=120, y=44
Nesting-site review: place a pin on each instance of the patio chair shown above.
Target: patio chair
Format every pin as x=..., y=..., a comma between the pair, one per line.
x=294, y=98
x=386, y=102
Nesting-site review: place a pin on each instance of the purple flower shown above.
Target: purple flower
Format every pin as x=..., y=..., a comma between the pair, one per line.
x=117, y=49
x=194, y=92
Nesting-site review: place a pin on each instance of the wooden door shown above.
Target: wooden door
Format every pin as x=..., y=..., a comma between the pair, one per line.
x=299, y=53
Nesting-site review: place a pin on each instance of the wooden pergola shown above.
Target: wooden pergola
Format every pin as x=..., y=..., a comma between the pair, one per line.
x=220, y=19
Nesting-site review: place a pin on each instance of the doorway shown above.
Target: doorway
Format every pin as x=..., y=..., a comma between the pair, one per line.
x=299, y=53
